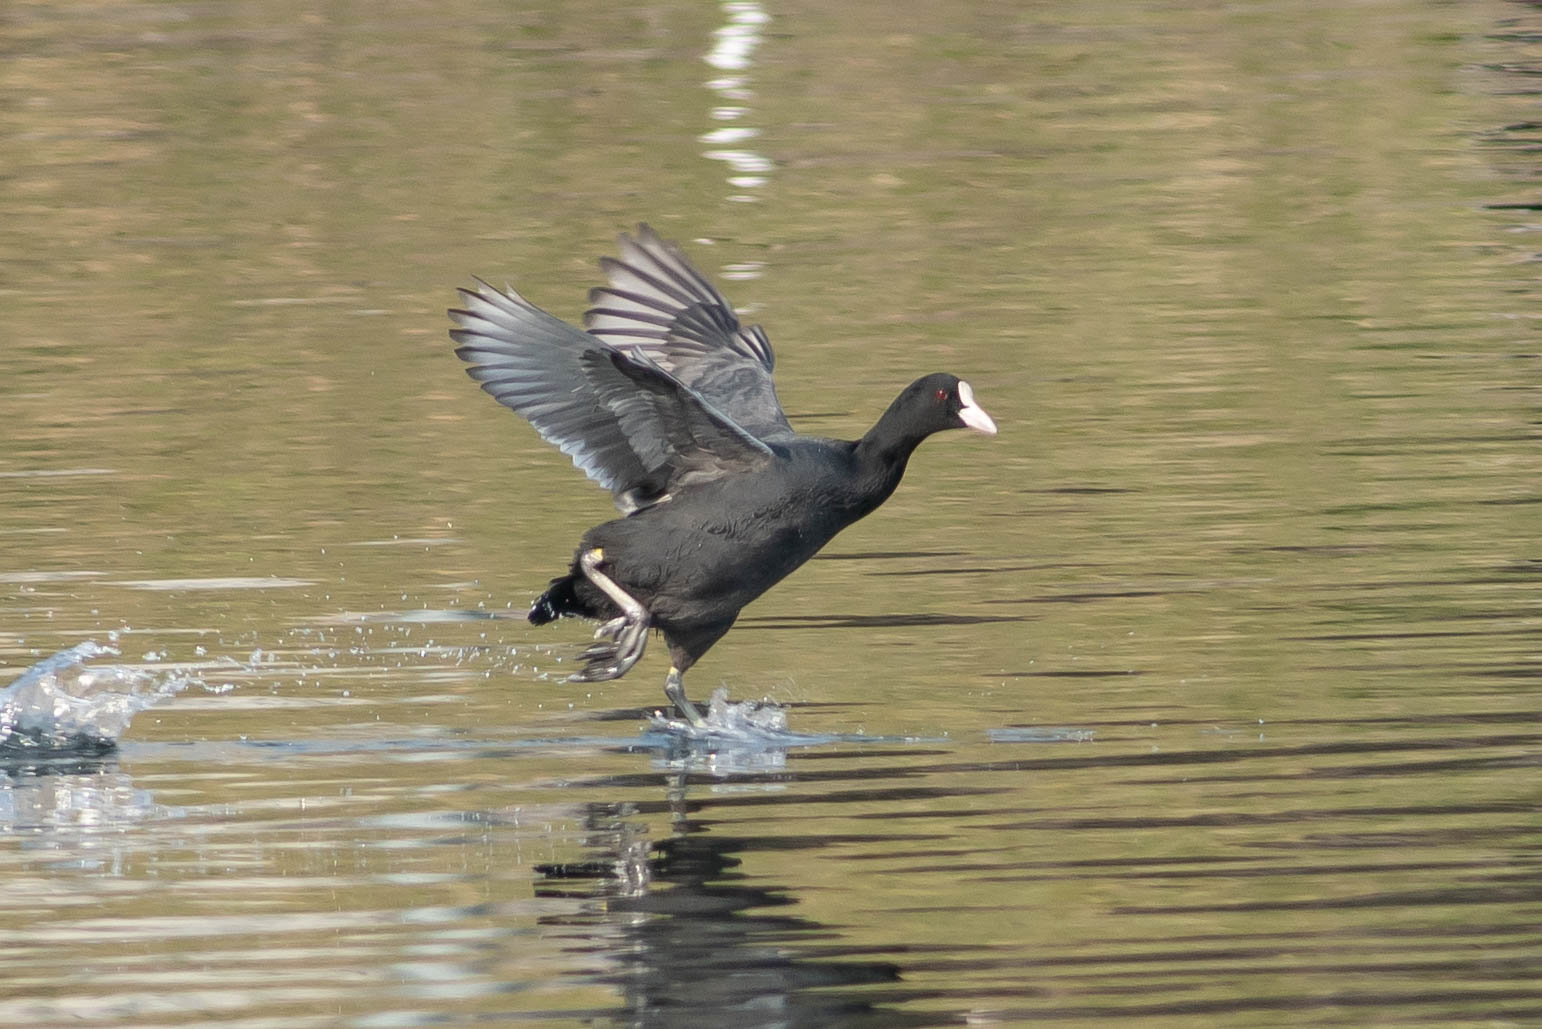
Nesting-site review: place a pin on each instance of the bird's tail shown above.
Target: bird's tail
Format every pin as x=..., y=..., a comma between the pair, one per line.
x=558, y=600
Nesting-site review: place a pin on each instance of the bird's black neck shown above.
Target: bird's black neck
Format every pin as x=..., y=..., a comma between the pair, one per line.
x=881, y=456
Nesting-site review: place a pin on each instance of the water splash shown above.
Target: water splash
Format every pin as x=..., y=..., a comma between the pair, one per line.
x=745, y=738
x=61, y=706
x=747, y=721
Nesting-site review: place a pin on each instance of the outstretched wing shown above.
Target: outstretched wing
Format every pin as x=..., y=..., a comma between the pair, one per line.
x=669, y=425
x=627, y=424
x=659, y=305
x=532, y=363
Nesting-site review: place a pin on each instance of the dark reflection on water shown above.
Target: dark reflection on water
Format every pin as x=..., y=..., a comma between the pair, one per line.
x=700, y=937
x=695, y=945
x=1058, y=882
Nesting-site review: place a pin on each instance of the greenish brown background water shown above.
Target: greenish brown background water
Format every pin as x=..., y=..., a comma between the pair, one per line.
x=1252, y=291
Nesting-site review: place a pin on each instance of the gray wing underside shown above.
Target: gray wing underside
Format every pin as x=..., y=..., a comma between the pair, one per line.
x=632, y=428
x=669, y=424
x=659, y=305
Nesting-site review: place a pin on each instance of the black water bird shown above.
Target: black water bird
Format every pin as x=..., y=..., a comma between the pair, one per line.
x=667, y=401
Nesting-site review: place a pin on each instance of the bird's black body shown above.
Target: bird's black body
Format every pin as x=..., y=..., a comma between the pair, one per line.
x=695, y=561
x=721, y=499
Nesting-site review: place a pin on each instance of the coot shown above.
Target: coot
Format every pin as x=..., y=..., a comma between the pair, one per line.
x=666, y=400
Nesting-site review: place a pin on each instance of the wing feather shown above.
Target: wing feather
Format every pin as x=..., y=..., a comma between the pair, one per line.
x=670, y=424
x=658, y=304
x=531, y=362
x=626, y=421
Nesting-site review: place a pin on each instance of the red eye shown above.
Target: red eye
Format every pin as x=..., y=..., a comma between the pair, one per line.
x=942, y=394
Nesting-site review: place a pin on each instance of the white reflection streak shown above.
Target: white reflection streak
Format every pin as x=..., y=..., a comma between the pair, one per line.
x=732, y=53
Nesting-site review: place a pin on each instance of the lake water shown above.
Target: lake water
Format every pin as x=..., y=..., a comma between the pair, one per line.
x=1206, y=693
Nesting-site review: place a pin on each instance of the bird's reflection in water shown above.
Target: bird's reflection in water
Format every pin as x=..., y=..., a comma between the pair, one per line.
x=693, y=943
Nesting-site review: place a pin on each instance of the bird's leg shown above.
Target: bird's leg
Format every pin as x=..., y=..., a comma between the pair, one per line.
x=674, y=689
x=620, y=641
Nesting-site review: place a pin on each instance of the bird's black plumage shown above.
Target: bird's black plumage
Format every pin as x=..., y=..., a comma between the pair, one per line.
x=667, y=401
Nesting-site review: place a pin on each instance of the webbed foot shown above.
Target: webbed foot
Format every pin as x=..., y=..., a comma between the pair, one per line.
x=611, y=658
